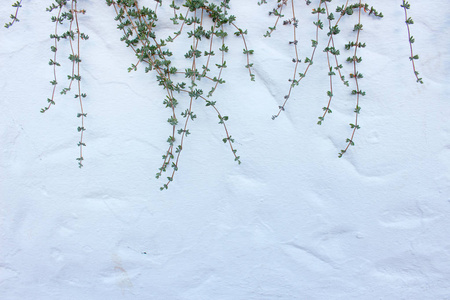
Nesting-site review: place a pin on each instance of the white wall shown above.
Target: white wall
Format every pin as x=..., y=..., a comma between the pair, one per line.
x=293, y=221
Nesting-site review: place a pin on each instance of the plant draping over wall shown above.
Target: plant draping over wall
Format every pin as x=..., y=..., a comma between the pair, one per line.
x=205, y=25
x=329, y=19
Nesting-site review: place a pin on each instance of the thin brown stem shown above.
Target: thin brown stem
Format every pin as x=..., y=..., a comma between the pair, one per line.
x=55, y=63
x=14, y=17
x=358, y=91
x=411, y=40
x=294, y=81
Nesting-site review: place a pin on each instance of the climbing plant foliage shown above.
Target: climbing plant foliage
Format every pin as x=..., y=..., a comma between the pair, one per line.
x=327, y=18
x=204, y=26
x=192, y=77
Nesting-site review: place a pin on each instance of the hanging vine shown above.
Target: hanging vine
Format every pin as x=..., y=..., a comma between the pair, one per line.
x=322, y=12
x=409, y=21
x=13, y=17
x=67, y=11
x=205, y=25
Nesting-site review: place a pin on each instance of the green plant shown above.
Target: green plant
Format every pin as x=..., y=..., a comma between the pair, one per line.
x=17, y=5
x=200, y=22
x=413, y=57
x=205, y=26
x=67, y=11
x=331, y=22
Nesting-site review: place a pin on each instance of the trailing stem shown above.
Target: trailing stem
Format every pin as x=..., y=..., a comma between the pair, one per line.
x=138, y=25
x=296, y=60
x=59, y=19
x=331, y=49
x=74, y=36
x=13, y=17
x=412, y=58
x=276, y=12
x=332, y=52
x=355, y=60
x=76, y=60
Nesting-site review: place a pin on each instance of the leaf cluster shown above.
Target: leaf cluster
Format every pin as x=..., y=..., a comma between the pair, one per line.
x=13, y=17
x=200, y=24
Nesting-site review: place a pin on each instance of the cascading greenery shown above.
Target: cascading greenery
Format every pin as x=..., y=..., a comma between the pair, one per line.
x=67, y=12
x=325, y=18
x=13, y=17
x=409, y=21
x=204, y=25
x=66, y=28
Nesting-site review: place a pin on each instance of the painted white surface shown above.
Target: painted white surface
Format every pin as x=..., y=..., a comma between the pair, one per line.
x=293, y=221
